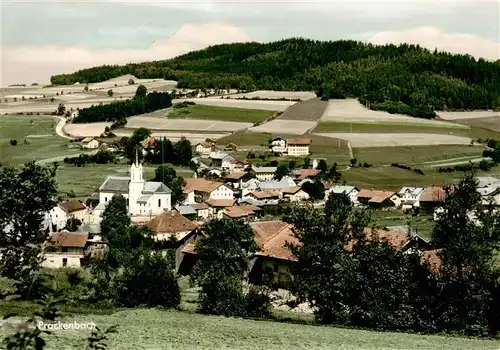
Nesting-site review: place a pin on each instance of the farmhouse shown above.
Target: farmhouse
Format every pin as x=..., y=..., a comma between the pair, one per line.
x=202, y=210
x=90, y=143
x=145, y=198
x=205, y=148
x=265, y=172
x=298, y=147
x=378, y=198
x=206, y=189
x=265, y=197
x=230, y=147
x=278, y=145
x=302, y=174
x=170, y=224
x=65, y=249
x=410, y=197
x=218, y=206
x=59, y=215
x=294, y=194
x=431, y=198
x=241, y=212
x=150, y=143
x=351, y=191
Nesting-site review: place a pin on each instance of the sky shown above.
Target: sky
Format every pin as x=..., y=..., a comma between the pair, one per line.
x=40, y=38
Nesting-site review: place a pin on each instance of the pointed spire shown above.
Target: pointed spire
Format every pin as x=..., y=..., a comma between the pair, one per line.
x=136, y=157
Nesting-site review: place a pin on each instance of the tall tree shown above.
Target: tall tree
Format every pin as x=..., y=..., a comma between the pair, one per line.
x=141, y=91
x=281, y=171
x=26, y=194
x=183, y=152
x=168, y=176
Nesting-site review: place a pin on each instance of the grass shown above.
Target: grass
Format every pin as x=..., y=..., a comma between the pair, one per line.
x=83, y=181
x=156, y=328
x=424, y=224
x=227, y=114
x=391, y=127
x=414, y=154
x=43, y=142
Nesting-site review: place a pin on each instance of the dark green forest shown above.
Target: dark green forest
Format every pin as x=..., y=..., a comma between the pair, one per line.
x=399, y=79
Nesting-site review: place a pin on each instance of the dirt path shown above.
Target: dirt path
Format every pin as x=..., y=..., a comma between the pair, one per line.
x=61, y=158
x=60, y=128
x=350, y=149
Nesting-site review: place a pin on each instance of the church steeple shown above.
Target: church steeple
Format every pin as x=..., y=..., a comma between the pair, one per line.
x=136, y=169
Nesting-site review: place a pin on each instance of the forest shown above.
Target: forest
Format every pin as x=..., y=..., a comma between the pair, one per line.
x=399, y=79
x=116, y=111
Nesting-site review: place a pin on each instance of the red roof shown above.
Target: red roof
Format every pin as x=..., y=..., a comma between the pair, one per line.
x=170, y=222
x=433, y=194
x=72, y=205
x=68, y=239
x=272, y=237
x=299, y=142
x=220, y=202
x=302, y=174
x=396, y=239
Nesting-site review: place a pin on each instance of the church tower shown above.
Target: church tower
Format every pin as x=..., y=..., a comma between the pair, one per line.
x=135, y=187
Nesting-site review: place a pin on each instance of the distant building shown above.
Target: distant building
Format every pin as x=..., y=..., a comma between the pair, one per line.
x=65, y=249
x=295, y=194
x=410, y=197
x=203, y=189
x=205, y=148
x=298, y=147
x=90, y=143
x=379, y=198
x=302, y=174
x=351, y=191
x=431, y=198
x=265, y=172
x=278, y=145
x=59, y=215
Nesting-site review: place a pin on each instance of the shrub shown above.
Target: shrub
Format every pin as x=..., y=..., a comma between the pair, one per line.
x=13, y=142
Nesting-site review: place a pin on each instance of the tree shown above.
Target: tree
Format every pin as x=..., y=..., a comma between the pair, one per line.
x=292, y=164
x=115, y=218
x=315, y=190
x=110, y=93
x=333, y=173
x=13, y=142
x=131, y=81
x=222, y=260
x=61, y=109
x=168, y=176
x=468, y=248
x=27, y=194
x=353, y=162
x=183, y=152
x=73, y=224
x=307, y=163
x=281, y=171
x=322, y=166
x=140, y=135
x=141, y=91
x=86, y=88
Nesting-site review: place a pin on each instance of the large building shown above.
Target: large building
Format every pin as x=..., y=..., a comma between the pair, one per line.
x=298, y=147
x=145, y=198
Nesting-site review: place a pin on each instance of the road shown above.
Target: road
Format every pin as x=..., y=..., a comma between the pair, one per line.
x=60, y=127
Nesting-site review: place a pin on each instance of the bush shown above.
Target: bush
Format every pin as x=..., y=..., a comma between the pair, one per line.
x=257, y=303
x=13, y=142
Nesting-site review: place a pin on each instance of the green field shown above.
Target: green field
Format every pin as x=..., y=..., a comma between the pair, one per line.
x=424, y=224
x=42, y=140
x=83, y=181
x=227, y=114
x=158, y=329
x=391, y=127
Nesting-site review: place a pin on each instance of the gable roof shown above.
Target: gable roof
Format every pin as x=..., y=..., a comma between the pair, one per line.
x=414, y=191
x=241, y=211
x=170, y=222
x=68, y=239
x=291, y=190
x=185, y=209
x=72, y=205
x=342, y=189
x=199, y=206
x=397, y=239
x=201, y=185
x=433, y=194
x=155, y=187
x=206, y=144
x=272, y=236
x=87, y=139
x=265, y=194
x=302, y=174
x=236, y=175
x=265, y=169
x=376, y=195
x=220, y=203
x=299, y=142
x=115, y=184
x=150, y=142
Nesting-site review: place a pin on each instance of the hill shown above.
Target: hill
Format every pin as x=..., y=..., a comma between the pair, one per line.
x=403, y=79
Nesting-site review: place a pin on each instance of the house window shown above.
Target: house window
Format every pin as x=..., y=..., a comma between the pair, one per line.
x=65, y=262
x=159, y=203
x=105, y=199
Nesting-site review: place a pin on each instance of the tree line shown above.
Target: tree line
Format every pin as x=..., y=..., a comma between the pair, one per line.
x=404, y=79
x=142, y=102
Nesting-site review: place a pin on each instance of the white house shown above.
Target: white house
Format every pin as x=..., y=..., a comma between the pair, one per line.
x=278, y=145
x=249, y=186
x=351, y=192
x=410, y=197
x=265, y=172
x=90, y=143
x=145, y=198
x=65, y=249
x=228, y=163
x=298, y=147
x=59, y=215
x=206, y=189
x=295, y=194
x=205, y=148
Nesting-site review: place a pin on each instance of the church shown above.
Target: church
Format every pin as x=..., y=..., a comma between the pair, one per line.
x=145, y=198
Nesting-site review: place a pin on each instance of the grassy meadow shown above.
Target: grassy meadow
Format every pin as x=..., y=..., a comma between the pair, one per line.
x=228, y=114
x=391, y=127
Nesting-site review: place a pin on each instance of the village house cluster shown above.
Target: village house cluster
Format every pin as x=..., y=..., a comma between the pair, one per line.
x=234, y=189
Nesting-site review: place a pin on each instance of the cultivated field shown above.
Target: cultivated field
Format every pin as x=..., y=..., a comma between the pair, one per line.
x=185, y=124
x=490, y=123
x=193, y=136
x=220, y=113
x=399, y=127
x=466, y=115
x=159, y=329
x=248, y=104
x=270, y=94
x=84, y=130
x=41, y=140
x=398, y=139
x=351, y=111
x=310, y=110
x=295, y=127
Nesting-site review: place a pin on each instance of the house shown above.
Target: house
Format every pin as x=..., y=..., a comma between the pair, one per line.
x=410, y=197
x=228, y=163
x=205, y=189
x=249, y=186
x=244, y=211
x=145, y=198
x=218, y=206
x=205, y=148
x=230, y=147
x=278, y=145
x=65, y=249
x=351, y=191
x=90, y=143
x=294, y=194
x=272, y=263
x=265, y=172
x=285, y=182
x=302, y=174
x=170, y=224
x=218, y=157
x=58, y=216
x=379, y=198
x=236, y=177
x=187, y=211
x=266, y=197
x=149, y=144
x=489, y=188
x=431, y=198
x=298, y=147
x=189, y=196
x=202, y=210
x=74, y=209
